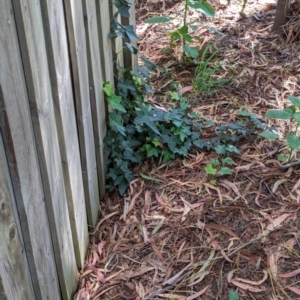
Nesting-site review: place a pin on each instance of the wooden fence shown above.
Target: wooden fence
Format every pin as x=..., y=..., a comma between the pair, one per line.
x=54, y=57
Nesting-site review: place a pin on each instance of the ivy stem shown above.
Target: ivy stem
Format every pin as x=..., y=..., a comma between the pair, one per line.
x=184, y=24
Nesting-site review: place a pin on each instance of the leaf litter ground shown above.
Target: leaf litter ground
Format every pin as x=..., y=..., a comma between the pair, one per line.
x=175, y=235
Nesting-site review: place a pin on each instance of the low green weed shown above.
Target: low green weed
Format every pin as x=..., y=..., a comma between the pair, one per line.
x=205, y=70
x=292, y=114
x=183, y=32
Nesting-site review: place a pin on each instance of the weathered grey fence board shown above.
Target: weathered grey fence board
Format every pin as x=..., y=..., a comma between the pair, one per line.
x=59, y=67
x=16, y=128
x=34, y=58
x=77, y=42
x=103, y=15
x=14, y=271
x=96, y=83
x=130, y=59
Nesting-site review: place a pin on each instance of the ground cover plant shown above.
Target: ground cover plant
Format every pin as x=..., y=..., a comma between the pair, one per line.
x=180, y=231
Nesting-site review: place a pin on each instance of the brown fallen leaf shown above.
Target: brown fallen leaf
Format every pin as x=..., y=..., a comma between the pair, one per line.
x=254, y=282
x=246, y=286
x=294, y=290
x=290, y=274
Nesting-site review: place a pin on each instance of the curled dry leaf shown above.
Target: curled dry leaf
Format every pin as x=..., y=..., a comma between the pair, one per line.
x=294, y=290
x=254, y=282
x=246, y=286
x=290, y=274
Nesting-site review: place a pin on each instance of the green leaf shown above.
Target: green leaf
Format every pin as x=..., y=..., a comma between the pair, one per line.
x=183, y=30
x=282, y=158
x=269, y=135
x=203, y=7
x=130, y=32
x=233, y=295
x=224, y=171
x=115, y=102
x=227, y=161
x=279, y=114
x=167, y=155
x=158, y=226
x=131, y=48
x=108, y=89
x=231, y=148
x=115, y=122
x=215, y=162
x=146, y=117
x=293, y=141
x=175, y=36
x=295, y=100
x=190, y=51
x=296, y=117
x=161, y=19
x=210, y=170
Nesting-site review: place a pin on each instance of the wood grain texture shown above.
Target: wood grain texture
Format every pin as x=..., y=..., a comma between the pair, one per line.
x=14, y=271
x=61, y=84
x=77, y=43
x=16, y=129
x=34, y=58
x=95, y=85
x=130, y=60
x=104, y=9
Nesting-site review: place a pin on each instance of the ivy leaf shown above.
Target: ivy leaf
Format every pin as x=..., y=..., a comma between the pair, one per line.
x=295, y=100
x=146, y=117
x=233, y=295
x=210, y=170
x=149, y=64
x=131, y=33
x=190, y=51
x=172, y=141
x=293, y=141
x=279, y=114
x=167, y=155
x=131, y=48
x=203, y=7
x=115, y=102
x=115, y=122
x=227, y=161
x=108, y=89
x=225, y=171
x=231, y=148
x=123, y=9
x=156, y=20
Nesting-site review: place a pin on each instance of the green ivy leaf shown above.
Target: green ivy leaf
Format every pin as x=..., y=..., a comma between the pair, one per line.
x=279, y=114
x=183, y=30
x=203, y=7
x=129, y=29
x=210, y=170
x=295, y=100
x=175, y=36
x=190, y=51
x=231, y=148
x=293, y=141
x=215, y=161
x=282, y=158
x=227, y=161
x=269, y=135
x=167, y=155
x=115, y=122
x=115, y=102
x=233, y=295
x=161, y=19
x=224, y=171
x=108, y=89
x=131, y=48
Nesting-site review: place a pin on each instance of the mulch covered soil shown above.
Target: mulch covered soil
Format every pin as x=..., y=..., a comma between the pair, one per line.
x=176, y=235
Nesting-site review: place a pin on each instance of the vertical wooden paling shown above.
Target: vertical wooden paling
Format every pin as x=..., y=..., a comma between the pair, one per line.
x=96, y=84
x=60, y=75
x=77, y=43
x=34, y=59
x=14, y=271
x=16, y=129
x=103, y=14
